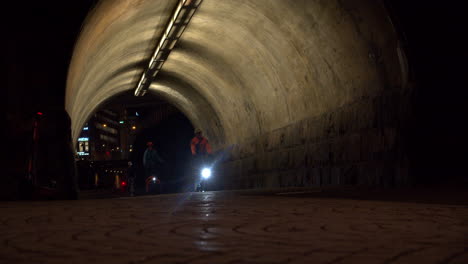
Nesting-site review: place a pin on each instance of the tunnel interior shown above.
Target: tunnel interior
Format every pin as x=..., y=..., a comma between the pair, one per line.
x=295, y=93
x=320, y=98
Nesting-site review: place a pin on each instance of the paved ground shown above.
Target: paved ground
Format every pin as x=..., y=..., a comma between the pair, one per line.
x=224, y=227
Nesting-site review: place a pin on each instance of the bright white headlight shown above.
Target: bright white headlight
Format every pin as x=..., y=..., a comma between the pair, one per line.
x=206, y=173
x=154, y=178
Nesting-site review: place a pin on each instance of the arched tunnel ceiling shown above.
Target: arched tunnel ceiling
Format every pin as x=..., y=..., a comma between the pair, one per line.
x=241, y=68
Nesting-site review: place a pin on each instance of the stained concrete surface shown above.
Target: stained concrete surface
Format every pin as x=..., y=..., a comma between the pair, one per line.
x=227, y=227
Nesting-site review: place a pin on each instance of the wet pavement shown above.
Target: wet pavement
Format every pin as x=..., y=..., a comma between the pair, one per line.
x=225, y=227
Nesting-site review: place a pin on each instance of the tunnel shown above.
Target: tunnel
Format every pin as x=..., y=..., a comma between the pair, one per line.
x=289, y=93
x=337, y=127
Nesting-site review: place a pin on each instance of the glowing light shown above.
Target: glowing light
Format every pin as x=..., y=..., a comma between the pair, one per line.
x=39, y=113
x=85, y=128
x=154, y=178
x=206, y=173
x=133, y=127
x=104, y=125
x=121, y=122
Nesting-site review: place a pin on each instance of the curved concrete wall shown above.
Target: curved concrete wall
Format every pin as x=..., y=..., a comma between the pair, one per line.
x=116, y=40
x=244, y=69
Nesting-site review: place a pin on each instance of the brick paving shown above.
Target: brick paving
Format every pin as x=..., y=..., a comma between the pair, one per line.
x=220, y=227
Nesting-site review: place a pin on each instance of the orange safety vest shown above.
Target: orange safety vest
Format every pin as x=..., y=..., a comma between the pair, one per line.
x=200, y=146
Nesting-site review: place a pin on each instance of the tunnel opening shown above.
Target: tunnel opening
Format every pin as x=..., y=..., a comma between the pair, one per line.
x=171, y=138
x=117, y=133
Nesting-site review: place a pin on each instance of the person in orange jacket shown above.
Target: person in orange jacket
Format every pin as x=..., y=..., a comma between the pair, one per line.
x=199, y=144
x=201, y=151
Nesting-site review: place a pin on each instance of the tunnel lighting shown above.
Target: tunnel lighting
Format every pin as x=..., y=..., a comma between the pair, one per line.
x=121, y=122
x=85, y=128
x=174, y=29
x=83, y=139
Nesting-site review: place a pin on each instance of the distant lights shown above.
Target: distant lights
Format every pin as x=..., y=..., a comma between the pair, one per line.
x=121, y=122
x=83, y=139
x=104, y=125
x=133, y=127
x=85, y=128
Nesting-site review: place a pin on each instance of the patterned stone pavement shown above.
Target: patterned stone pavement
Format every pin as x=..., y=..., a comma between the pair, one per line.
x=220, y=227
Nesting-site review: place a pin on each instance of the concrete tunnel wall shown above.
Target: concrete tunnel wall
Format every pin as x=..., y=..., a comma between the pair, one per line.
x=293, y=93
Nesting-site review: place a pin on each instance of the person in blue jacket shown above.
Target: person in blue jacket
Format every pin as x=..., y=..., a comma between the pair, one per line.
x=151, y=161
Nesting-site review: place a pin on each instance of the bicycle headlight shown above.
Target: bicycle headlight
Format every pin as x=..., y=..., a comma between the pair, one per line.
x=206, y=173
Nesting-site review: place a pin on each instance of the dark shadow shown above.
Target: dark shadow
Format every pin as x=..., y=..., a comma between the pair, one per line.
x=447, y=196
